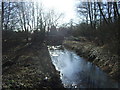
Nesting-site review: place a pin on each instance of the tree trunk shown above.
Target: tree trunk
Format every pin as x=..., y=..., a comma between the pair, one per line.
x=95, y=15
x=116, y=13
x=2, y=15
x=89, y=11
x=102, y=12
x=109, y=12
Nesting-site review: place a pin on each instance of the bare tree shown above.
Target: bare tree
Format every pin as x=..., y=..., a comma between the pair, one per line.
x=99, y=5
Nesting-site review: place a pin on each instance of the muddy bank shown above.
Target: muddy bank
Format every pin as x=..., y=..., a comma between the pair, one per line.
x=97, y=55
x=29, y=66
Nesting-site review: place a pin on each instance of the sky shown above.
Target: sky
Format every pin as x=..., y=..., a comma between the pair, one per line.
x=67, y=7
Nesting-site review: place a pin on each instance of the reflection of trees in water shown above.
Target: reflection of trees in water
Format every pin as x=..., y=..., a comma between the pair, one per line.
x=77, y=70
x=71, y=56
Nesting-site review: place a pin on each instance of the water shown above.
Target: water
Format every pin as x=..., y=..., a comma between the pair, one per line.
x=76, y=72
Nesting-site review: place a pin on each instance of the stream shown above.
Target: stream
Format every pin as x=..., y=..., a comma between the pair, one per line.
x=76, y=72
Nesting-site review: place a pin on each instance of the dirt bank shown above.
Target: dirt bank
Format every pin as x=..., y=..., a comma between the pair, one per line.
x=97, y=55
x=29, y=66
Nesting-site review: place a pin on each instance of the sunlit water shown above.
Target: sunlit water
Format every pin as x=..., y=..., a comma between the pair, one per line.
x=78, y=73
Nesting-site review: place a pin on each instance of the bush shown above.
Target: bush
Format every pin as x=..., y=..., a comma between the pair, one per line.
x=106, y=34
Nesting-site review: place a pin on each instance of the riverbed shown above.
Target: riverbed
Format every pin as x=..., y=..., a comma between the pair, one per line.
x=76, y=72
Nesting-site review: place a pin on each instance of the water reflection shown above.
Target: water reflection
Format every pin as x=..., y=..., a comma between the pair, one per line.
x=77, y=72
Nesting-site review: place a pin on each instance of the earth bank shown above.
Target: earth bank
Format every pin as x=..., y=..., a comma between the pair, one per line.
x=97, y=55
x=29, y=66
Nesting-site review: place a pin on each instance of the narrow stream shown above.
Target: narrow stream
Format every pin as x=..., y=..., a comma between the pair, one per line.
x=76, y=72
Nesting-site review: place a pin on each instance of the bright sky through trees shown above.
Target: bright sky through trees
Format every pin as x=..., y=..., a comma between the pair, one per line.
x=67, y=7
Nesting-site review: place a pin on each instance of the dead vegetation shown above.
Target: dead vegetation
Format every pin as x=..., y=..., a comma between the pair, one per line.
x=32, y=68
x=107, y=61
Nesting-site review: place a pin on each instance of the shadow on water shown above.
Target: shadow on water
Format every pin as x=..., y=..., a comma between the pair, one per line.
x=78, y=73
